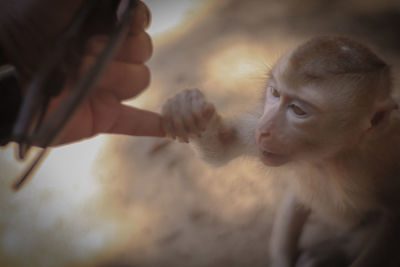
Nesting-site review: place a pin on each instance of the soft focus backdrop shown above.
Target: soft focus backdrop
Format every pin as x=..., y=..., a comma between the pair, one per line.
x=130, y=201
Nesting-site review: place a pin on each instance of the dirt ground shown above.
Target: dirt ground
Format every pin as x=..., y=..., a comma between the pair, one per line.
x=167, y=207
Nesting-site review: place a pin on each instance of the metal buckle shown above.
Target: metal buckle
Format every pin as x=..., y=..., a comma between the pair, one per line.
x=31, y=128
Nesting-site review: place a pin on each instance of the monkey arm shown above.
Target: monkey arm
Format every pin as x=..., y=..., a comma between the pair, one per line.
x=219, y=143
x=189, y=117
x=286, y=231
x=383, y=248
x=224, y=140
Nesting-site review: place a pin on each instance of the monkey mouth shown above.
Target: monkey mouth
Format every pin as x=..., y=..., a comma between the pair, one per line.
x=272, y=159
x=269, y=154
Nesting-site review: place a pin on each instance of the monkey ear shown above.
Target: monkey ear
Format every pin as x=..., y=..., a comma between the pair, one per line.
x=381, y=113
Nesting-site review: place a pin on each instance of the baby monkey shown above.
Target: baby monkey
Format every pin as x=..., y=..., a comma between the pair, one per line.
x=329, y=126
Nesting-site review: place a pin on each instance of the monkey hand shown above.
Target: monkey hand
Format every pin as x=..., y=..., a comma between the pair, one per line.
x=187, y=115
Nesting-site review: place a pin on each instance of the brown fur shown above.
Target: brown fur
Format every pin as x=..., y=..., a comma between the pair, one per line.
x=341, y=157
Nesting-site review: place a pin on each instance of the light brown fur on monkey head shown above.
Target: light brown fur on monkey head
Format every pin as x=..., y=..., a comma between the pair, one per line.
x=329, y=96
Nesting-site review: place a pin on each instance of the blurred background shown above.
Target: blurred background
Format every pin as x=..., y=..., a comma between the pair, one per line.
x=130, y=201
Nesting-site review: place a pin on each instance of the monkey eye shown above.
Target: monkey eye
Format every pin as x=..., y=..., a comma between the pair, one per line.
x=274, y=92
x=297, y=110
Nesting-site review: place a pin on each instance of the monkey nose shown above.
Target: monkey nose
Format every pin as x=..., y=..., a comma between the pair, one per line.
x=263, y=135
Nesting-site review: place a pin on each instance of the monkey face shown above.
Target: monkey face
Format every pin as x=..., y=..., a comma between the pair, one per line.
x=303, y=124
x=276, y=134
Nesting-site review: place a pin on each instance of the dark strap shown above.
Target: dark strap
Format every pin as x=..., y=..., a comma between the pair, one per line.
x=10, y=100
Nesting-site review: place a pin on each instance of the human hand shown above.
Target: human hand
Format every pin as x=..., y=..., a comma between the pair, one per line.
x=125, y=77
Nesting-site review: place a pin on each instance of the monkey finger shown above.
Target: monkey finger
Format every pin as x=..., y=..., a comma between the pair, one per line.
x=168, y=127
x=167, y=120
x=190, y=127
x=198, y=103
x=188, y=124
x=180, y=133
x=195, y=117
x=189, y=117
x=182, y=110
x=208, y=111
x=177, y=121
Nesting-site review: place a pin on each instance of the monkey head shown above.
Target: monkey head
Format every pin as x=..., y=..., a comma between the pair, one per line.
x=322, y=99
